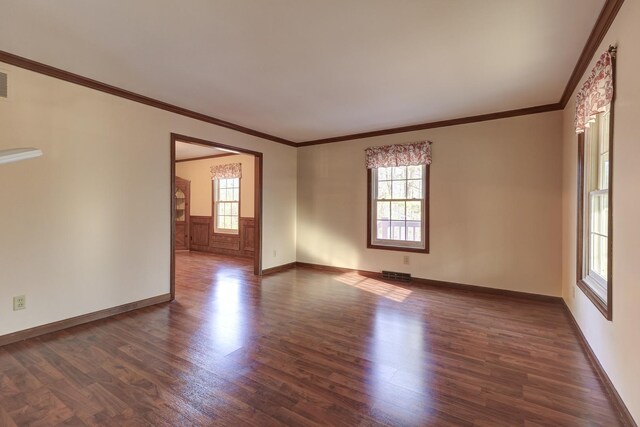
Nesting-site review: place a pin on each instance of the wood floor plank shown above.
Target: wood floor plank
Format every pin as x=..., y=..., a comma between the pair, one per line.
x=305, y=347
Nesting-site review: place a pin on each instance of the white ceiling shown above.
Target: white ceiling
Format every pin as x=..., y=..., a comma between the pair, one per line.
x=310, y=69
x=191, y=151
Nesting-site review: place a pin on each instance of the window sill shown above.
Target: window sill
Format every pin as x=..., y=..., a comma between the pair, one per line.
x=399, y=248
x=227, y=233
x=604, y=308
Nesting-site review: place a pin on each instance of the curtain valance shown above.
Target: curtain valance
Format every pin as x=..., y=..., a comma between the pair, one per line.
x=414, y=154
x=596, y=93
x=230, y=170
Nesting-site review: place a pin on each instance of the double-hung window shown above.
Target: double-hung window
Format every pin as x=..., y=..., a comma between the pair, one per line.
x=594, y=242
x=398, y=217
x=226, y=205
x=596, y=194
x=594, y=119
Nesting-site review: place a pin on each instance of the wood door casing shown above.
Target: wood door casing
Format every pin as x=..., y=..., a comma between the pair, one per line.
x=258, y=181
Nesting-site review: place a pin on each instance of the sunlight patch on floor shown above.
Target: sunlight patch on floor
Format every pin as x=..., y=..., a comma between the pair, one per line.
x=386, y=290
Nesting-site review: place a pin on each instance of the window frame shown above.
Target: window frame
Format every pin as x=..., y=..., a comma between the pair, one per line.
x=214, y=208
x=584, y=281
x=371, y=243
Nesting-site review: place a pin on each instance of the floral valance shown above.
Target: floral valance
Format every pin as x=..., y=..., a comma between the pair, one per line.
x=230, y=170
x=596, y=93
x=414, y=154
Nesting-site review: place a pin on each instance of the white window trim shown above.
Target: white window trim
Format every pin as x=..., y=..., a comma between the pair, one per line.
x=402, y=244
x=216, y=229
x=597, y=283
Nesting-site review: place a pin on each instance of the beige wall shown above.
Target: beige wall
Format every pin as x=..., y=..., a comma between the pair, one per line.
x=495, y=205
x=86, y=226
x=616, y=343
x=199, y=173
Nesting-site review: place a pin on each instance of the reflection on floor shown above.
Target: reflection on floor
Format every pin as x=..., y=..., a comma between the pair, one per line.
x=306, y=347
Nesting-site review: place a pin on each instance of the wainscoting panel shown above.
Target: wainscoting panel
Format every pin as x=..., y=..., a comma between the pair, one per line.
x=247, y=235
x=200, y=231
x=203, y=238
x=226, y=241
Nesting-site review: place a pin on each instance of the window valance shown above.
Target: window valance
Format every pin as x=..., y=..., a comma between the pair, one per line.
x=230, y=170
x=596, y=93
x=414, y=154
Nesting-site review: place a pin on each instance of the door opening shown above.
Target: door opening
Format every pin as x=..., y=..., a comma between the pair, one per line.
x=229, y=226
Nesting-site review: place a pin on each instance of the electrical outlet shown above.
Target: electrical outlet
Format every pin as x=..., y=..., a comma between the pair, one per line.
x=405, y=260
x=274, y=253
x=19, y=303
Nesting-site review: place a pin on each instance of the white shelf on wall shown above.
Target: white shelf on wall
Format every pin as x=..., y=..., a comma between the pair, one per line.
x=17, y=154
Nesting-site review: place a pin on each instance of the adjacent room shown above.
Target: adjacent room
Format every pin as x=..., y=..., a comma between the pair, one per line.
x=342, y=213
x=214, y=201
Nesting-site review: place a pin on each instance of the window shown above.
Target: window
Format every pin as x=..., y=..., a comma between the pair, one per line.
x=226, y=205
x=594, y=239
x=398, y=208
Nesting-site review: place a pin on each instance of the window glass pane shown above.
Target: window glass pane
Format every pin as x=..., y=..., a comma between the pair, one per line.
x=414, y=189
x=402, y=218
x=234, y=209
x=236, y=194
x=398, y=230
x=416, y=228
x=384, y=190
x=399, y=190
x=234, y=223
x=414, y=172
x=384, y=210
x=397, y=210
x=383, y=174
x=603, y=171
x=414, y=211
x=592, y=176
x=603, y=125
x=399, y=172
x=596, y=198
x=384, y=230
x=598, y=249
x=599, y=206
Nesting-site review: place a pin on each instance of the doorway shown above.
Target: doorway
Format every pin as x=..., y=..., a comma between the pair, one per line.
x=249, y=230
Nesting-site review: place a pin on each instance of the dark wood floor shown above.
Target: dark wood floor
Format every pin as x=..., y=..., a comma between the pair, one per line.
x=306, y=347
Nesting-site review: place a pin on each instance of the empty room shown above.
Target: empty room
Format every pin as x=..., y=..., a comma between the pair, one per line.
x=319, y=213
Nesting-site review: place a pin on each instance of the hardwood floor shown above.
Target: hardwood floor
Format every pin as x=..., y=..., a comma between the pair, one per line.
x=306, y=347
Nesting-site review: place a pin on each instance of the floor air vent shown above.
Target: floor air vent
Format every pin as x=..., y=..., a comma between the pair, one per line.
x=394, y=275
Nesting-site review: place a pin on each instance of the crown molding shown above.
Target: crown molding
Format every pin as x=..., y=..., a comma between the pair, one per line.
x=603, y=23
x=213, y=156
x=57, y=73
x=438, y=124
x=605, y=19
